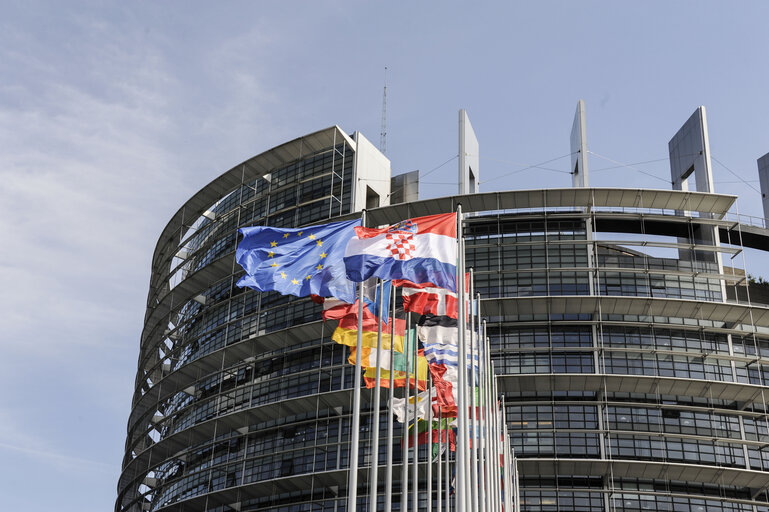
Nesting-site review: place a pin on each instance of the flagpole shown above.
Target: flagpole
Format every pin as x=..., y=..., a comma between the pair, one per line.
x=448, y=471
x=405, y=440
x=415, y=434
x=505, y=460
x=483, y=406
x=509, y=474
x=429, y=445
x=516, y=483
x=352, y=481
x=493, y=457
x=473, y=414
x=497, y=479
x=440, y=452
x=377, y=404
x=390, y=412
x=461, y=453
x=489, y=424
x=508, y=469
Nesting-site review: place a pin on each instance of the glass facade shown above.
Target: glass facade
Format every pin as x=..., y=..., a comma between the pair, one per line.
x=243, y=402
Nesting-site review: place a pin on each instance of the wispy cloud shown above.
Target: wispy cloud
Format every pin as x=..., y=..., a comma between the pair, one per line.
x=83, y=170
x=14, y=436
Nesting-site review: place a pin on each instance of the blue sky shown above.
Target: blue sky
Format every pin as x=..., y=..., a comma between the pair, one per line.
x=113, y=113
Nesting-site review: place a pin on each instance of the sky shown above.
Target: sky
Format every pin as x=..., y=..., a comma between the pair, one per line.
x=112, y=114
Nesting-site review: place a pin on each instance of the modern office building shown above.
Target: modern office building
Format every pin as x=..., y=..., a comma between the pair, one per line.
x=630, y=345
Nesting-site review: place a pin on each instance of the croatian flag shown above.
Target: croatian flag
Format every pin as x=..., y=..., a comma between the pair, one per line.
x=421, y=250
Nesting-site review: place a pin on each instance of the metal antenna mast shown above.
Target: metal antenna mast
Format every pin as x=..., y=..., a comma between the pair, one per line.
x=383, y=133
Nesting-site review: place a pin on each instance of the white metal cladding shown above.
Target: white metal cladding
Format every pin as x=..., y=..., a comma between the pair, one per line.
x=596, y=382
x=716, y=204
x=647, y=470
x=729, y=313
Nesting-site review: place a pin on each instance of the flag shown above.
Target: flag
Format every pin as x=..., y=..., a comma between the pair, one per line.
x=400, y=379
x=448, y=355
x=445, y=383
x=422, y=404
x=425, y=432
x=440, y=338
x=426, y=298
x=421, y=250
x=434, y=329
x=374, y=305
x=368, y=357
x=368, y=352
x=300, y=262
x=377, y=300
x=347, y=331
x=333, y=308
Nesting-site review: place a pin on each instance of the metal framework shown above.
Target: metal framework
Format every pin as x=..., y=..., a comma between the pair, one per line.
x=243, y=403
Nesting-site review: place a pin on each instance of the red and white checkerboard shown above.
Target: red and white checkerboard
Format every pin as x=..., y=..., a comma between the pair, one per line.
x=401, y=246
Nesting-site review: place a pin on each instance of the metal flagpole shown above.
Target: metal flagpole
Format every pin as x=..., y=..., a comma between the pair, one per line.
x=509, y=483
x=491, y=409
x=516, y=483
x=506, y=457
x=511, y=473
x=493, y=457
x=429, y=445
x=448, y=472
x=390, y=411
x=405, y=439
x=473, y=414
x=440, y=453
x=352, y=479
x=497, y=476
x=482, y=458
x=373, y=483
x=461, y=453
x=489, y=427
x=415, y=434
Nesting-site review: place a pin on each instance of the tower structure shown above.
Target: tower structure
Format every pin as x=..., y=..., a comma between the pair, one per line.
x=763, y=175
x=578, y=144
x=469, y=156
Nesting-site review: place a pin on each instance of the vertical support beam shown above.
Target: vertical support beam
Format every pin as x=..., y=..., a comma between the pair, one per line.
x=469, y=158
x=578, y=140
x=690, y=155
x=763, y=177
x=690, y=160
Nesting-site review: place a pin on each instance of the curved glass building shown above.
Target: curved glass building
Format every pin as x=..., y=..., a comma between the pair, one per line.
x=628, y=345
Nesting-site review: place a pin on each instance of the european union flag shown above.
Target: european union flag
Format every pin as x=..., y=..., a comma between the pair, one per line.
x=299, y=262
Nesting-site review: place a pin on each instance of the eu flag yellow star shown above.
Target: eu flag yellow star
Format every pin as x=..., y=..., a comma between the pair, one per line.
x=300, y=262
